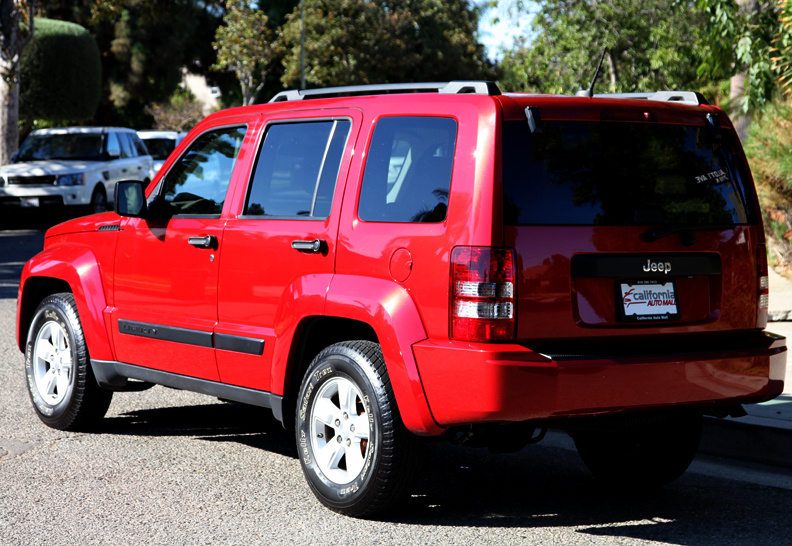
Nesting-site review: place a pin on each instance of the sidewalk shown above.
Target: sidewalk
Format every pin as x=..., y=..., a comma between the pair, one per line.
x=765, y=434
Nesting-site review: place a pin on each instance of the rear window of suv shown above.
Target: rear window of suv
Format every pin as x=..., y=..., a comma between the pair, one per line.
x=619, y=174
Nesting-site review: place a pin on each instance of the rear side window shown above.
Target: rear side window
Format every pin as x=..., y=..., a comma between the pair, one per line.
x=127, y=145
x=297, y=169
x=140, y=147
x=619, y=174
x=408, y=170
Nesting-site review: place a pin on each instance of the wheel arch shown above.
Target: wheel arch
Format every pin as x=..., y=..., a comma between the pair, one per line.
x=73, y=270
x=33, y=293
x=368, y=309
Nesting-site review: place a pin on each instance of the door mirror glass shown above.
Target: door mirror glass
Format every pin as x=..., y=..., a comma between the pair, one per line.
x=130, y=199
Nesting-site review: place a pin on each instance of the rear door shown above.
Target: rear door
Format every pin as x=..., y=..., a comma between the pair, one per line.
x=629, y=220
x=279, y=250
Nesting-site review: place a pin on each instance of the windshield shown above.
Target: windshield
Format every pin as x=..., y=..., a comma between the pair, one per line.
x=83, y=146
x=160, y=148
x=619, y=174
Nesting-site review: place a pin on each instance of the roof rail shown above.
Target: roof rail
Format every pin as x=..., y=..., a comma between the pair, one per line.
x=685, y=97
x=454, y=88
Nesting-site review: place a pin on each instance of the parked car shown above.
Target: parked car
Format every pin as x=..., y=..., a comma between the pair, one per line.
x=160, y=144
x=381, y=263
x=75, y=166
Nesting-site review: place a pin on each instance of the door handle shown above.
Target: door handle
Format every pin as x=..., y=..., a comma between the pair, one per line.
x=209, y=241
x=314, y=247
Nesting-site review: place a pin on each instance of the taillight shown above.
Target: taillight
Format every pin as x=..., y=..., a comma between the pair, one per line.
x=763, y=284
x=482, y=294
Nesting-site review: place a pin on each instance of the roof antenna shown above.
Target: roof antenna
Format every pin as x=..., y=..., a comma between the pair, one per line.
x=590, y=91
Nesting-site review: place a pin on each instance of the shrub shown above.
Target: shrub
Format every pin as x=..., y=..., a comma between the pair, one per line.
x=61, y=77
x=769, y=151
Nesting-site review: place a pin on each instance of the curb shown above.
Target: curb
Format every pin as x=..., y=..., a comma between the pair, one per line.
x=779, y=316
x=753, y=442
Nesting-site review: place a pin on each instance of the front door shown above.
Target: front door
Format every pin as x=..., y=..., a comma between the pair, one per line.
x=165, y=291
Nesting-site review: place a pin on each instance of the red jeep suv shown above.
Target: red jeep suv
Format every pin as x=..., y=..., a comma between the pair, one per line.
x=380, y=263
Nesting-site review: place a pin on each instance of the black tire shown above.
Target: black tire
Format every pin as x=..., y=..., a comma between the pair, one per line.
x=98, y=201
x=371, y=465
x=60, y=381
x=641, y=455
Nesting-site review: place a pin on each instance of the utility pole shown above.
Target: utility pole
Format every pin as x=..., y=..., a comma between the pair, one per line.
x=302, y=46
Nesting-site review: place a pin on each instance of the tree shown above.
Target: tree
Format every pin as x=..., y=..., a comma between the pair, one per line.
x=651, y=45
x=181, y=113
x=62, y=56
x=351, y=42
x=747, y=41
x=144, y=45
x=16, y=31
x=244, y=44
x=781, y=52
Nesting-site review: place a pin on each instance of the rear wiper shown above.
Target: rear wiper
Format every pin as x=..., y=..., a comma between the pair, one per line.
x=688, y=233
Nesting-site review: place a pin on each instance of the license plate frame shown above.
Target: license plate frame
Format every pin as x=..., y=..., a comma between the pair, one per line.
x=647, y=300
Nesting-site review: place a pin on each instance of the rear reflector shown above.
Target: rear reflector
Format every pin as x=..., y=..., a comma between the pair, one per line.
x=763, y=290
x=482, y=294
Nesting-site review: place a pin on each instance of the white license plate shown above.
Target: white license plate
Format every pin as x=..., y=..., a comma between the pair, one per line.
x=648, y=301
x=29, y=202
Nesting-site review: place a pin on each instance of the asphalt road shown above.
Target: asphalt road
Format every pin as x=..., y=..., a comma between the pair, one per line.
x=169, y=467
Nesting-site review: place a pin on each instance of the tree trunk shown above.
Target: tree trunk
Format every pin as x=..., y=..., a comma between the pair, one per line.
x=9, y=121
x=739, y=118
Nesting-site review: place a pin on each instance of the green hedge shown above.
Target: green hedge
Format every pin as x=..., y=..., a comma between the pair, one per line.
x=61, y=73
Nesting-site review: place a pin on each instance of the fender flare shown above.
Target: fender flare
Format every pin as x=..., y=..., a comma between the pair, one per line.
x=392, y=313
x=77, y=266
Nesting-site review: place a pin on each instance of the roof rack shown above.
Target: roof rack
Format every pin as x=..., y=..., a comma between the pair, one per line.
x=685, y=97
x=452, y=88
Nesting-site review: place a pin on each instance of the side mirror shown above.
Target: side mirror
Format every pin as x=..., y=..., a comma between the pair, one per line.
x=130, y=199
x=14, y=157
x=113, y=154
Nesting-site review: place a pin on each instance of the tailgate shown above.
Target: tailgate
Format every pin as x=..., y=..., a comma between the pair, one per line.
x=631, y=228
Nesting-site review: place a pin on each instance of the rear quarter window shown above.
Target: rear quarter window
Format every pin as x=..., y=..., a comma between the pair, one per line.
x=408, y=170
x=618, y=174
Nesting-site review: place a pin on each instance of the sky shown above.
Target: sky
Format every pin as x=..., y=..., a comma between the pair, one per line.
x=496, y=36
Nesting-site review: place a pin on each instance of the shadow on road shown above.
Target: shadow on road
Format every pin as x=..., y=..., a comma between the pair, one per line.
x=222, y=422
x=543, y=486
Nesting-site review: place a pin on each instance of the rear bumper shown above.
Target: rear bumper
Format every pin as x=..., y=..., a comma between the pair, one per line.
x=476, y=383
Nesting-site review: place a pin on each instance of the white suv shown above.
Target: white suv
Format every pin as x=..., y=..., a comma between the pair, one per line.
x=160, y=144
x=74, y=166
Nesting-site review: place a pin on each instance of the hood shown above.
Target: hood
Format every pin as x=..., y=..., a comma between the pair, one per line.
x=95, y=222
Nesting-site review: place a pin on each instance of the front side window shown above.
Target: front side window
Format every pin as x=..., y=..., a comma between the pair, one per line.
x=113, y=146
x=297, y=169
x=197, y=183
x=408, y=170
x=621, y=174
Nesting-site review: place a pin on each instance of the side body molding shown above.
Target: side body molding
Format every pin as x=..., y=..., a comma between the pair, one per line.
x=390, y=310
x=78, y=267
